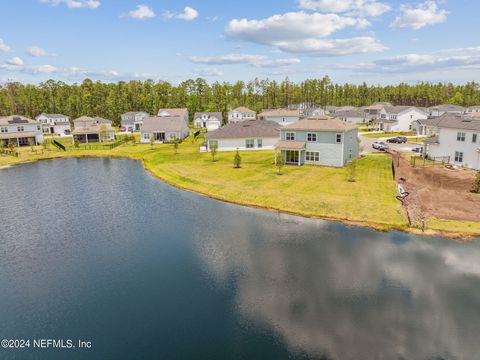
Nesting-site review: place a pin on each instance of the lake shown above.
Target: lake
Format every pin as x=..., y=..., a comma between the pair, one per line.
x=98, y=250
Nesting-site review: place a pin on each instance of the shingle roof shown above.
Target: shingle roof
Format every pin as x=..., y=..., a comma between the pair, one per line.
x=17, y=134
x=350, y=113
x=217, y=115
x=321, y=124
x=54, y=116
x=164, y=124
x=134, y=113
x=97, y=120
x=454, y=121
x=279, y=112
x=290, y=145
x=16, y=119
x=246, y=129
x=447, y=107
x=173, y=112
x=243, y=109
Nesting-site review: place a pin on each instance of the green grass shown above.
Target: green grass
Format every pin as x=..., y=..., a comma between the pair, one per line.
x=388, y=135
x=307, y=190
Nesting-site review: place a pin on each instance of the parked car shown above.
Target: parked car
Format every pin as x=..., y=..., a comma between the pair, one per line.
x=380, y=145
x=398, y=140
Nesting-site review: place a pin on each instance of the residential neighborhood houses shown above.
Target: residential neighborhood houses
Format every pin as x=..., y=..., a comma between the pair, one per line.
x=319, y=141
x=20, y=130
x=399, y=118
x=132, y=121
x=161, y=129
x=207, y=120
x=241, y=114
x=280, y=116
x=54, y=124
x=87, y=130
x=180, y=112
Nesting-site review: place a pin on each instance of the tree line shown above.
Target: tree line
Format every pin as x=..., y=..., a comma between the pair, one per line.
x=110, y=100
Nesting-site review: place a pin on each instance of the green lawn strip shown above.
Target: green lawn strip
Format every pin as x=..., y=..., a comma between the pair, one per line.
x=388, y=135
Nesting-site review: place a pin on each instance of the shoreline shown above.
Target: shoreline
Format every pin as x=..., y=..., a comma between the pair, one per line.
x=453, y=235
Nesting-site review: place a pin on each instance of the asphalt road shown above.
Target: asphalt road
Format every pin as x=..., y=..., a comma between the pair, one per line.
x=366, y=145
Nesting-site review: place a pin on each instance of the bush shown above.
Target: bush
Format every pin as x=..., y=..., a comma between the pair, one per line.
x=476, y=184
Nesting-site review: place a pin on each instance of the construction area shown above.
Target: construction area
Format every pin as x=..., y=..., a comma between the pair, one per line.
x=434, y=190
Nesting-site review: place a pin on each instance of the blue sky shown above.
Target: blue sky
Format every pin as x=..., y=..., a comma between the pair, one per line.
x=377, y=41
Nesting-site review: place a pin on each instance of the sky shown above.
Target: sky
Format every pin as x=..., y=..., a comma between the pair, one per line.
x=376, y=41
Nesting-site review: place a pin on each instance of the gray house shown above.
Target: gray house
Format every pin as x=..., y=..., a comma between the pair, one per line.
x=208, y=120
x=319, y=141
x=133, y=120
x=163, y=129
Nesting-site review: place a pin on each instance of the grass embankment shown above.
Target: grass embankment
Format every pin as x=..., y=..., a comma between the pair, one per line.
x=307, y=190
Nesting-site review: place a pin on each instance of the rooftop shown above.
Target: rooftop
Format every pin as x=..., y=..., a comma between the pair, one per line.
x=173, y=112
x=454, y=121
x=16, y=119
x=324, y=123
x=279, y=112
x=164, y=124
x=246, y=129
x=243, y=109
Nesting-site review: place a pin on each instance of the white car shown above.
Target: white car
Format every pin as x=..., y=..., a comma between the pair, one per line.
x=380, y=145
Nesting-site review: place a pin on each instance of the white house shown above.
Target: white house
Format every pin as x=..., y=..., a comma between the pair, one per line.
x=473, y=110
x=457, y=140
x=400, y=118
x=20, y=130
x=353, y=116
x=208, y=120
x=241, y=114
x=87, y=130
x=319, y=141
x=163, y=129
x=439, y=110
x=175, y=112
x=280, y=116
x=132, y=121
x=244, y=135
x=55, y=124
x=375, y=111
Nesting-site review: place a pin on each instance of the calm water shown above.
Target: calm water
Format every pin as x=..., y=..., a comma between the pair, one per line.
x=98, y=250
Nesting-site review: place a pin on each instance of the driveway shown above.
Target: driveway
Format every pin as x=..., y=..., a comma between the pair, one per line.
x=366, y=145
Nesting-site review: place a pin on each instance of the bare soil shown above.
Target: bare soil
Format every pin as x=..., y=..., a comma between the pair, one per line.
x=438, y=192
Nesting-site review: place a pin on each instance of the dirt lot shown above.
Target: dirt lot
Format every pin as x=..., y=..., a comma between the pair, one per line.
x=438, y=192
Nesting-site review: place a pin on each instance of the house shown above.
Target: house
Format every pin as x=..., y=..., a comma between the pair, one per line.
x=320, y=141
x=132, y=121
x=87, y=130
x=439, y=110
x=208, y=120
x=400, y=118
x=376, y=111
x=473, y=110
x=305, y=107
x=163, y=129
x=244, y=135
x=175, y=112
x=280, y=116
x=54, y=124
x=354, y=116
x=241, y=114
x=457, y=140
x=20, y=130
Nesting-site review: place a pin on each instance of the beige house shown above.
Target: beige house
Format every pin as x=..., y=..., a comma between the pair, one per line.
x=87, y=130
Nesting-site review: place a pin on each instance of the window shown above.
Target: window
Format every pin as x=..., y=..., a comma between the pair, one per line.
x=3, y=129
x=338, y=139
x=458, y=156
x=291, y=157
x=290, y=136
x=313, y=156
x=460, y=136
x=38, y=127
x=249, y=143
x=20, y=128
x=259, y=143
x=474, y=138
x=213, y=143
x=312, y=137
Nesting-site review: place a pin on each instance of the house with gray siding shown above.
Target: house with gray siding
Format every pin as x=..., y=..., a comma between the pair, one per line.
x=241, y=113
x=280, y=116
x=132, y=121
x=163, y=129
x=20, y=130
x=319, y=141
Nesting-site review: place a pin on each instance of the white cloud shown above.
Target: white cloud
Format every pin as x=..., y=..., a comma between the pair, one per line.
x=3, y=47
x=188, y=14
x=303, y=33
x=142, y=12
x=209, y=72
x=249, y=59
x=369, y=8
x=15, y=61
x=36, y=51
x=75, y=4
x=447, y=59
x=424, y=14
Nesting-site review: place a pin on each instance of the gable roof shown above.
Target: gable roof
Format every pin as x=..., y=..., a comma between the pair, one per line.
x=16, y=120
x=324, y=123
x=454, y=121
x=53, y=116
x=447, y=107
x=246, y=129
x=279, y=112
x=398, y=109
x=164, y=124
x=183, y=112
x=350, y=113
x=217, y=115
x=243, y=109
x=95, y=120
x=134, y=113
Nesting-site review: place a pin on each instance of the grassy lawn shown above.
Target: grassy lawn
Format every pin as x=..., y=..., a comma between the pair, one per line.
x=307, y=190
x=389, y=135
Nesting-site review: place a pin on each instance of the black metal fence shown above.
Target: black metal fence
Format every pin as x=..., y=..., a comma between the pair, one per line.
x=59, y=145
x=420, y=161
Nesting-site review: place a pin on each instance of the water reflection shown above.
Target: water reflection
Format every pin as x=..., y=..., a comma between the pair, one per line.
x=351, y=294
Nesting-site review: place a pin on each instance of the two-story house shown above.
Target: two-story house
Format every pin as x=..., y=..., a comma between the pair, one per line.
x=132, y=121
x=20, y=130
x=400, y=118
x=241, y=114
x=280, y=116
x=456, y=140
x=319, y=141
x=175, y=112
x=208, y=120
x=439, y=110
x=87, y=130
x=54, y=124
